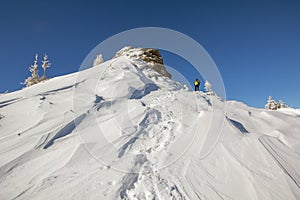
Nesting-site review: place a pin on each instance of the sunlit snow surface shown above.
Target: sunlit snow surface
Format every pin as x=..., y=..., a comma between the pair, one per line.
x=121, y=131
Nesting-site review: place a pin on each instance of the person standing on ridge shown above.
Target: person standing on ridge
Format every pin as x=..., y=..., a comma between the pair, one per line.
x=197, y=84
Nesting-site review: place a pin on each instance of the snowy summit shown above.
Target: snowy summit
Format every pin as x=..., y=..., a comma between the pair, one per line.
x=124, y=130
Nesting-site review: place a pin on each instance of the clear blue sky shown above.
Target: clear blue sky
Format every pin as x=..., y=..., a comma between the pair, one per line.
x=255, y=44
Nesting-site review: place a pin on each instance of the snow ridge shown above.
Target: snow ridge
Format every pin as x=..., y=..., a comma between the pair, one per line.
x=121, y=130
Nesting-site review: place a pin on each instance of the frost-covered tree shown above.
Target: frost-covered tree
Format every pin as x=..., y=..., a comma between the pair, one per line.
x=34, y=78
x=207, y=87
x=271, y=104
x=45, y=64
x=34, y=68
x=98, y=60
x=281, y=104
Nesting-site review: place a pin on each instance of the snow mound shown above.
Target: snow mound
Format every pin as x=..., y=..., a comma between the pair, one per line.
x=122, y=130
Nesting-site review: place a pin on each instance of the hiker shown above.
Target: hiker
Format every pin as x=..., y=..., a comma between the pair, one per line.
x=197, y=84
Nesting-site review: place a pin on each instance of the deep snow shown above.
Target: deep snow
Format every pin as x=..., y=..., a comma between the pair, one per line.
x=122, y=131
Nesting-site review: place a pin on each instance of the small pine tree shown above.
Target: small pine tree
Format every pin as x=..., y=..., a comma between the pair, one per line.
x=34, y=78
x=281, y=104
x=34, y=68
x=271, y=104
x=207, y=87
x=98, y=60
x=45, y=64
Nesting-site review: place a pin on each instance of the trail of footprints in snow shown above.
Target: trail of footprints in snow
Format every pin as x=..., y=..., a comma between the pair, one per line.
x=158, y=127
x=168, y=123
x=147, y=183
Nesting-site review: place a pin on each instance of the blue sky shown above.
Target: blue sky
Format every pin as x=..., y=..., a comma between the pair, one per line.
x=255, y=44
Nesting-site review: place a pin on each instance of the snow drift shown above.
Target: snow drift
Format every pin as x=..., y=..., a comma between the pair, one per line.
x=121, y=130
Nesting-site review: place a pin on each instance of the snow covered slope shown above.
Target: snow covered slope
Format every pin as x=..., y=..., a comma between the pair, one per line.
x=122, y=131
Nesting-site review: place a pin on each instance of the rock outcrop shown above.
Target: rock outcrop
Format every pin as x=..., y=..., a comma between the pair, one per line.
x=149, y=55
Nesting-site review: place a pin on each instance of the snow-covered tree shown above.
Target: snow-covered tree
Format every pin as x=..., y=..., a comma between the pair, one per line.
x=281, y=104
x=207, y=87
x=45, y=64
x=34, y=78
x=34, y=68
x=272, y=104
x=98, y=60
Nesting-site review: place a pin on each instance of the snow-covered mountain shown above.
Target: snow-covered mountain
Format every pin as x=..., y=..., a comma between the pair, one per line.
x=121, y=130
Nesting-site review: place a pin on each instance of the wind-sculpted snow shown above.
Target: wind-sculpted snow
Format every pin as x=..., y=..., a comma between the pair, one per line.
x=238, y=125
x=123, y=131
x=9, y=102
x=66, y=130
x=131, y=178
x=152, y=117
x=288, y=160
x=63, y=89
x=140, y=93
